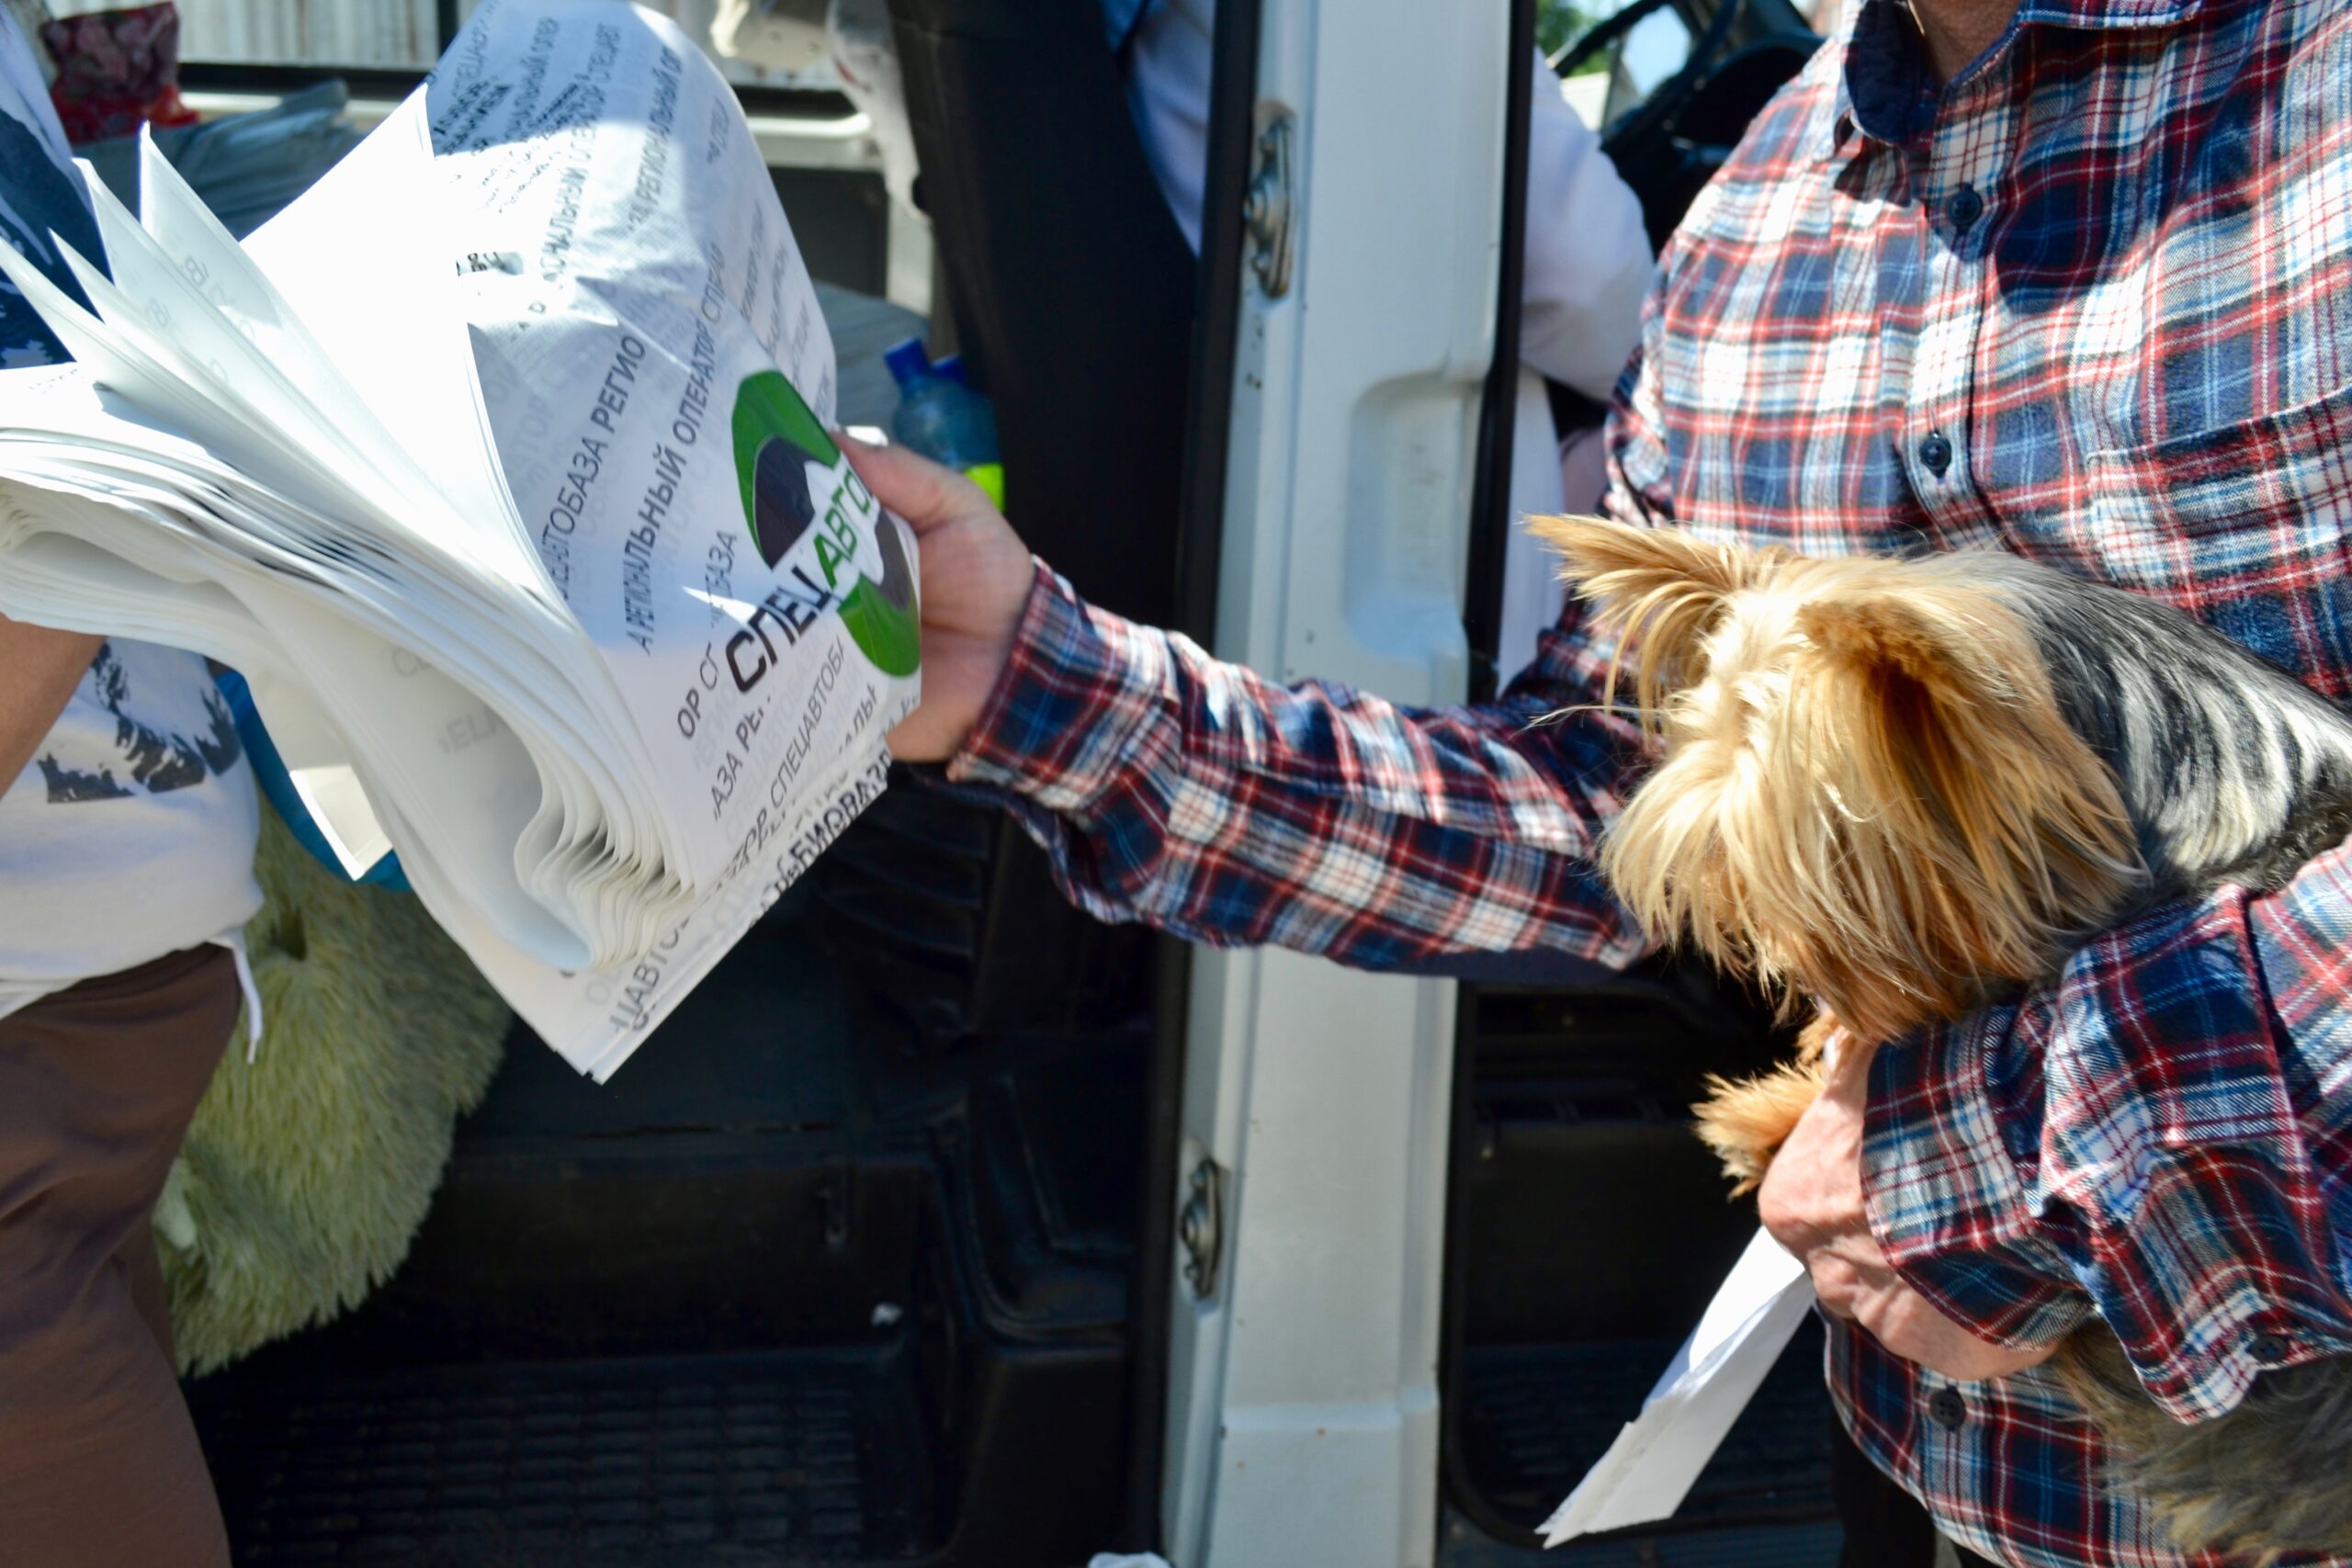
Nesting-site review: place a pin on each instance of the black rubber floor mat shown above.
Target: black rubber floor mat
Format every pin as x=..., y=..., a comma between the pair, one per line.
x=1537, y=1418
x=774, y=1460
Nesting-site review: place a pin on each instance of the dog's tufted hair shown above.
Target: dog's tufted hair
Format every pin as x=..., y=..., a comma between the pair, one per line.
x=1869, y=797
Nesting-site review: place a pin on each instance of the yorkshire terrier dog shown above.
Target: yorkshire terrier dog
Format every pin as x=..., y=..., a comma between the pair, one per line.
x=1897, y=790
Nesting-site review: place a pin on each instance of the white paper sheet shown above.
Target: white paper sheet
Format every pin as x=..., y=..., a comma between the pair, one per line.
x=1650, y=1468
x=498, y=464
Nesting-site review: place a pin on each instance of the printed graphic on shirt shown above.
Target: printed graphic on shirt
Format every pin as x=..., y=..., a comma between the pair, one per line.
x=38, y=199
x=152, y=760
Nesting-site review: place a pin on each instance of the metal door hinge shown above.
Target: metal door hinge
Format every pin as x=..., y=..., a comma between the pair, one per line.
x=1272, y=206
x=1201, y=1228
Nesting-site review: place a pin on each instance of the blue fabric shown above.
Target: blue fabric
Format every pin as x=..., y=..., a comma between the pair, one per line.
x=269, y=770
x=40, y=204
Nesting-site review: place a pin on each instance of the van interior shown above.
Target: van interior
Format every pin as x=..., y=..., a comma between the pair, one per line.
x=868, y=1258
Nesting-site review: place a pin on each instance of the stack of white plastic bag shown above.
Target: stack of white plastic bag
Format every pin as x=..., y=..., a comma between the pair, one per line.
x=498, y=465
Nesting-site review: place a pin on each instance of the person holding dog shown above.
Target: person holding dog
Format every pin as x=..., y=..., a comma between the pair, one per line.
x=2060, y=277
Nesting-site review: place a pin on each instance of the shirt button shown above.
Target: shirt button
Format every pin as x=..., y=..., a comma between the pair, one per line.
x=1964, y=207
x=1948, y=1409
x=1936, y=452
x=2268, y=1348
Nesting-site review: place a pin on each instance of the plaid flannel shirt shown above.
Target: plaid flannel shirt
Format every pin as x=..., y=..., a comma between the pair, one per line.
x=2090, y=300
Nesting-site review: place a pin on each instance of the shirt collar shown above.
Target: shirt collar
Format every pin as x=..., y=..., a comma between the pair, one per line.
x=1884, y=89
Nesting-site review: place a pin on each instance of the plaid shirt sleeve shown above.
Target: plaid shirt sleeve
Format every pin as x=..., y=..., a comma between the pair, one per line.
x=1171, y=788
x=2150, y=1137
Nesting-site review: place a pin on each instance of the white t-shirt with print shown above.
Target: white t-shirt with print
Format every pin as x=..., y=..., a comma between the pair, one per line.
x=131, y=833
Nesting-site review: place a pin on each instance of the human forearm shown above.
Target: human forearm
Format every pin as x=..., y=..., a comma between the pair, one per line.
x=1813, y=1201
x=2146, y=1138
x=1172, y=788
x=38, y=669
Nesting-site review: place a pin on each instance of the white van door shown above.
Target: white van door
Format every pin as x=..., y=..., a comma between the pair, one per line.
x=1303, y=1413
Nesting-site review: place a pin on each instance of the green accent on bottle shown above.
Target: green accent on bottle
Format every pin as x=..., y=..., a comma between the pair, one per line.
x=989, y=477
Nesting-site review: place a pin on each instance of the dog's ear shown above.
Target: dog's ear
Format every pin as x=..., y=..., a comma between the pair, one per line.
x=1977, y=835
x=1942, y=646
x=1933, y=660
x=1659, y=590
x=1610, y=558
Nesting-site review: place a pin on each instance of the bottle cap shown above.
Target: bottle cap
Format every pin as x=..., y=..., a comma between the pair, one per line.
x=950, y=370
x=907, y=360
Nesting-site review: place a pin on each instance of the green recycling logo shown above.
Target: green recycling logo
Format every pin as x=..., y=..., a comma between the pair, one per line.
x=779, y=446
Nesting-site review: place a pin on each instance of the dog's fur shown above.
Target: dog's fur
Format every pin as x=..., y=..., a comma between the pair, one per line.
x=1898, y=790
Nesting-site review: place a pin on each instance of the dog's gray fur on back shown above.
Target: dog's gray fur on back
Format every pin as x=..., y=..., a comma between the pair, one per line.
x=2234, y=771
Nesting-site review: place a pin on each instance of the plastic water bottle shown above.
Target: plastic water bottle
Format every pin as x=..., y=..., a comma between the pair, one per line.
x=944, y=419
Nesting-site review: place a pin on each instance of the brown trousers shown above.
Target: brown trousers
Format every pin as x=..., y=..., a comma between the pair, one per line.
x=99, y=1466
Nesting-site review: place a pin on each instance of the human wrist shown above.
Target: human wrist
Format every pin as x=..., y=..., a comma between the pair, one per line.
x=1064, y=725
x=1949, y=1145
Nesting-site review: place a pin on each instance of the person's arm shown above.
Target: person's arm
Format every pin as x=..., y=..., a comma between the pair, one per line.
x=2160, y=1137
x=1171, y=788
x=38, y=669
x=1587, y=251
x=2174, y=1116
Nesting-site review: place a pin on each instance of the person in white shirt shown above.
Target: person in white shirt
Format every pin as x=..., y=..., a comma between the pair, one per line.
x=1588, y=265
x=128, y=818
